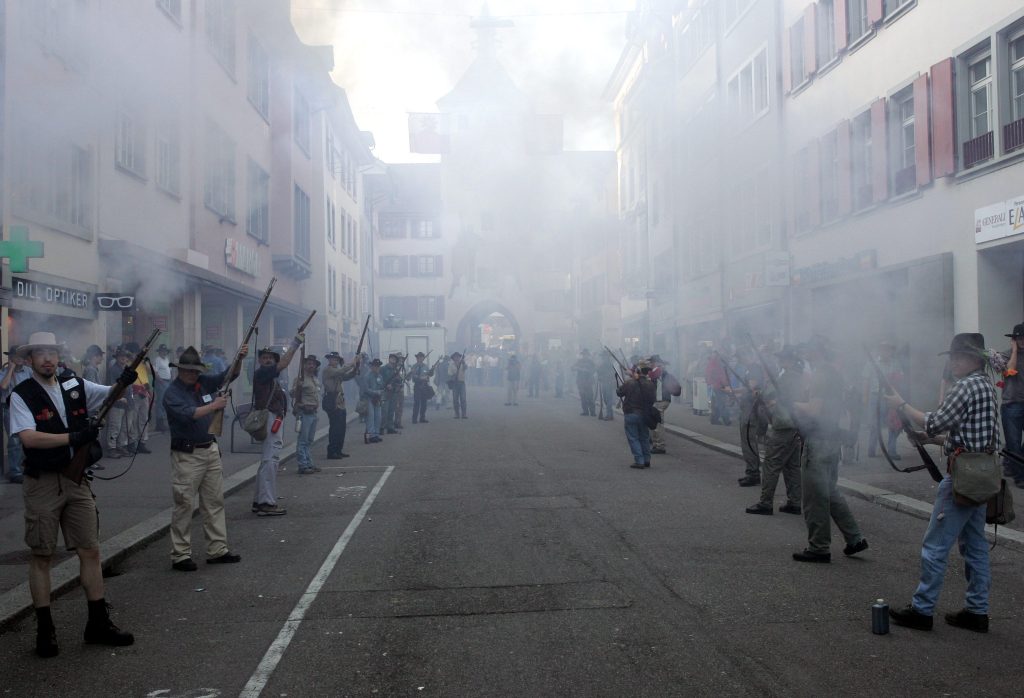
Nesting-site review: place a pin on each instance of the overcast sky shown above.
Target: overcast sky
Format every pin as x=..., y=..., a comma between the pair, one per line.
x=399, y=56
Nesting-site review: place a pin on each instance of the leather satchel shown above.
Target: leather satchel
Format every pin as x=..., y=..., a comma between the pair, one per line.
x=1000, y=508
x=976, y=477
x=255, y=423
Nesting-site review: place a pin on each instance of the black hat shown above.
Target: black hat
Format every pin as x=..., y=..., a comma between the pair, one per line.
x=1018, y=331
x=13, y=351
x=312, y=357
x=93, y=350
x=269, y=350
x=133, y=347
x=376, y=362
x=972, y=343
x=190, y=361
x=332, y=355
x=419, y=354
x=656, y=359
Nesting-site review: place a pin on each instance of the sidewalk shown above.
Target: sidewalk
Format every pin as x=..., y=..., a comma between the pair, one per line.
x=868, y=478
x=134, y=509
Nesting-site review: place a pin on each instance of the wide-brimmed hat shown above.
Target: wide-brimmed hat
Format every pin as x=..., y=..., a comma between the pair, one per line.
x=419, y=354
x=332, y=355
x=972, y=343
x=133, y=347
x=313, y=358
x=642, y=364
x=269, y=350
x=376, y=362
x=13, y=351
x=1018, y=331
x=38, y=340
x=93, y=350
x=190, y=361
x=656, y=359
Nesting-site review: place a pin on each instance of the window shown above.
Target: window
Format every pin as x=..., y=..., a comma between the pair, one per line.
x=857, y=24
x=802, y=173
x=354, y=246
x=979, y=145
x=331, y=216
x=826, y=27
x=427, y=265
x=696, y=36
x=860, y=146
x=830, y=177
x=797, y=67
x=220, y=32
x=732, y=9
x=58, y=26
x=901, y=139
x=1013, y=132
x=748, y=90
x=891, y=7
x=258, y=88
x=300, y=116
x=130, y=143
x=257, y=220
x=168, y=158
x=219, y=185
x=172, y=8
x=55, y=184
x=392, y=226
x=332, y=288
x=301, y=224
x=393, y=266
x=425, y=229
x=331, y=154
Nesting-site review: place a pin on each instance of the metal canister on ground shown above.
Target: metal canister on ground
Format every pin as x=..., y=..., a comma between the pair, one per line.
x=880, y=618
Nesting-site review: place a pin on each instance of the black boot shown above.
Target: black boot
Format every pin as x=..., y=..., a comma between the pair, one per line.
x=46, y=634
x=100, y=630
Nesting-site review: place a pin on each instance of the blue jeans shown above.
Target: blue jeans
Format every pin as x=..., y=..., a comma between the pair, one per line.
x=1013, y=425
x=15, y=457
x=307, y=431
x=967, y=524
x=607, y=393
x=372, y=418
x=639, y=438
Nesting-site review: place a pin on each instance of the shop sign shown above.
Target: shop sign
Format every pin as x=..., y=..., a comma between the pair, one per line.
x=241, y=257
x=837, y=269
x=776, y=269
x=50, y=294
x=999, y=220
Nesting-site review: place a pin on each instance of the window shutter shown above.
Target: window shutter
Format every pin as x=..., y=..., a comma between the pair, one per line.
x=439, y=308
x=844, y=181
x=875, y=12
x=438, y=265
x=943, y=119
x=879, y=152
x=839, y=12
x=810, y=41
x=922, y=129
x=813, y=165
x=787, y=62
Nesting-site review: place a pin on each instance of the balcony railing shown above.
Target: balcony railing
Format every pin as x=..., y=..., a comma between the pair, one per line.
x=1013, y=135
x=978, y=149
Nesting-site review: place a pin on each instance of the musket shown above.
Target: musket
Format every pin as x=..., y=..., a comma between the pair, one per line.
x=775, y=384
x=217, y=423
x=366, y=326
x=908, y=428
x=625, y=371
x=87, y=454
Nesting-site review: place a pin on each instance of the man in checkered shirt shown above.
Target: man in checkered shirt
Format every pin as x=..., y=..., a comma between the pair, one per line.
x=969, y=417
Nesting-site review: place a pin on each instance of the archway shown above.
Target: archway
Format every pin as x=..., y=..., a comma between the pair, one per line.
x=488, y=324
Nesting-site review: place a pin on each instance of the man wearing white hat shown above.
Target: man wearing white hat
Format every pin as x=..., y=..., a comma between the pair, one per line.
x=52, y=419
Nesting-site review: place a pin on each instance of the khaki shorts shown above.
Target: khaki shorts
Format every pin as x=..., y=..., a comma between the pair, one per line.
x=53, y=501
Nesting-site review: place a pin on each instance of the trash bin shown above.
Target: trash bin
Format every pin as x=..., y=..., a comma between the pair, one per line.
x=700, y=396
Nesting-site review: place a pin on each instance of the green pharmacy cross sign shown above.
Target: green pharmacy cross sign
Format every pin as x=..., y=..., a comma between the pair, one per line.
x=19, y=248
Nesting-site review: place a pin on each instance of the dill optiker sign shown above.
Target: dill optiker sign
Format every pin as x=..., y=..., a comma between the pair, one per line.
x=50, y=294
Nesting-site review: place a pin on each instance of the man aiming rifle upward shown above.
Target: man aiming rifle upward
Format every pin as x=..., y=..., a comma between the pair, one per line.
x=52, y=419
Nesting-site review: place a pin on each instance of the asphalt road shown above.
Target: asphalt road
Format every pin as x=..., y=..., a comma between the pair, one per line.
x=516, y=554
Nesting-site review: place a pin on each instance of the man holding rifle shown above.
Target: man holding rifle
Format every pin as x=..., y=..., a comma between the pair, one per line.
x=269, y=393
x=191, y=402
x=52, y=418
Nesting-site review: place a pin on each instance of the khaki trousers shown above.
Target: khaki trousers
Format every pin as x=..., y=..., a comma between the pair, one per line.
x=199, y=472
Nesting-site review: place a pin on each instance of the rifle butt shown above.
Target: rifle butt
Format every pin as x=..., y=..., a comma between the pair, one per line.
x=217, y=423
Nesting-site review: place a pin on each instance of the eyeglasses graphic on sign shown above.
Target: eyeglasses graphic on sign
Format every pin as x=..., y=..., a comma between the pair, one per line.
x=114, y=301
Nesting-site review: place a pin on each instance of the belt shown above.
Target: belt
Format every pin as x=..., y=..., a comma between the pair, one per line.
x=206, y=444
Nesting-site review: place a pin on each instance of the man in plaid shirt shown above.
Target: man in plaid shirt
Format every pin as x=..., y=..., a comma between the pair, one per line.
x=969, y=417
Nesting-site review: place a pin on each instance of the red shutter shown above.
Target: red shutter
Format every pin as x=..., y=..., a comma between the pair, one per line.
x=839, y=8
x=943, y=119
x=879, y=152
x=810, y=42
x=875, y=12
x=787, y=61
x=922, y=146
x=844, y=179
x=814, y=181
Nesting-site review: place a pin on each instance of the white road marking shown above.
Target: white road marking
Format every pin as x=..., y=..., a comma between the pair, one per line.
x=258, y=681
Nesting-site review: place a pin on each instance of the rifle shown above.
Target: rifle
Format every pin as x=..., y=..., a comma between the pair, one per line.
x=87, y=454
x=625, y=371
x=775, y=384
x=217, y=423
x=908, y=428
x=366, y=326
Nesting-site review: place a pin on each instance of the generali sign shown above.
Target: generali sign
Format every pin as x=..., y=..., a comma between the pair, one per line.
x=241, y=257
x=999, y=220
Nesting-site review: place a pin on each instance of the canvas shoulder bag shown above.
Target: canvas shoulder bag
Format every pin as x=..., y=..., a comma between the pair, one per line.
x=977, y=476
x=255, y=423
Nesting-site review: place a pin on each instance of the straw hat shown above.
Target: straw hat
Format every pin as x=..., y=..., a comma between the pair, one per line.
x=38, y=340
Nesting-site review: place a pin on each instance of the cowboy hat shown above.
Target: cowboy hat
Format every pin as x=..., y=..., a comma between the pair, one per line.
x=1018, y=331
x=38, y=340
x=269, y=350
x=972, y=343
x=190, y=361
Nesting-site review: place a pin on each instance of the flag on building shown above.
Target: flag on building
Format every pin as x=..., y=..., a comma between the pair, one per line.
x=429, y=133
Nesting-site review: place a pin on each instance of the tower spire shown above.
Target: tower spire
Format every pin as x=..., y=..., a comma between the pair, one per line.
x=486, y=27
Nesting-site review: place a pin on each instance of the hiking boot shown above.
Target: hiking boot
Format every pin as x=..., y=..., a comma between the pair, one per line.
x=640, y=465
x=104, y=632
x=186, y=565
x=224, y=559
x=910, y=617
x=811, y=556
x=658, y=451
x=271, y=510
x=760, y=508
x=978, y=622
x=858, y=547
x=788, y=508
x=46, y=642
x=749, y=481
x=255, y=507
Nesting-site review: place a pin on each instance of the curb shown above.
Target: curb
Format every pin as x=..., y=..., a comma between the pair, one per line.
x=16, y=603
x=890, y=500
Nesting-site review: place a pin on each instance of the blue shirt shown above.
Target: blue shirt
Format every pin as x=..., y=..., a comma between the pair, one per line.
x=181, y=401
